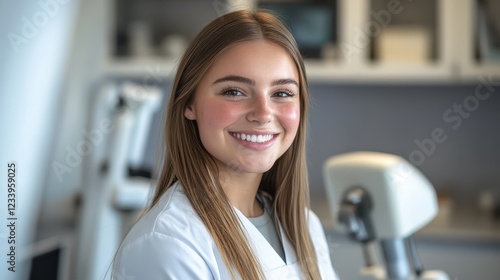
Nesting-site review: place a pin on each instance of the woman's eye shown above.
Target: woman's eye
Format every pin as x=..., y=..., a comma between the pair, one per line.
x=283, y=93
x=232, y=92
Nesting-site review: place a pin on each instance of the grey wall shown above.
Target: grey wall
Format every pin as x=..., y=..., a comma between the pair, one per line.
x=390, y=118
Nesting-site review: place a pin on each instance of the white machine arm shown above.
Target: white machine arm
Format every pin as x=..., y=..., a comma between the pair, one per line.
x=110, y=196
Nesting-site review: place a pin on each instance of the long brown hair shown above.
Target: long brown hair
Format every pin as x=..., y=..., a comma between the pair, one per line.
x=184, y=159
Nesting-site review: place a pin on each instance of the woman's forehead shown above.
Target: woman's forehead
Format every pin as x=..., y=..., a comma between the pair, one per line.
x=257, y=59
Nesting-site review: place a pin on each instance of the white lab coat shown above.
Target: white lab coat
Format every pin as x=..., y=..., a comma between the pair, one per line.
x=171, y=242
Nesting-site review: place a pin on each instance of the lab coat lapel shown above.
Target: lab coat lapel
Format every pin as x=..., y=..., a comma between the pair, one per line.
x=290, y=255
x=268, y=257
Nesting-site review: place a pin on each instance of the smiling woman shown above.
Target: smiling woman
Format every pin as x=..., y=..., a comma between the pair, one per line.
x=232, y=197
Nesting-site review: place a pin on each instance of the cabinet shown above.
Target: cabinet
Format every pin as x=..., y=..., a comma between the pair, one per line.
x=442, y=37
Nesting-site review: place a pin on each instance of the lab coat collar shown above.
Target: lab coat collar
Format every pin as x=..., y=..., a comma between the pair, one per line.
x=269, y=259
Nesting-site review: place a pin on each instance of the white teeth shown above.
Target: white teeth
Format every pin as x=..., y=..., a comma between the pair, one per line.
x=253, y=138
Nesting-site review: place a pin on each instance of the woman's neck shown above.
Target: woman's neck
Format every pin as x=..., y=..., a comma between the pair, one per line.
x=241, y=190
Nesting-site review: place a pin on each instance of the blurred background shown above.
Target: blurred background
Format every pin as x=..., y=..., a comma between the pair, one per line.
x=83, y=84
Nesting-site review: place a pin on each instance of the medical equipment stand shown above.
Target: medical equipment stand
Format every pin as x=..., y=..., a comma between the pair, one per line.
x=123, y=113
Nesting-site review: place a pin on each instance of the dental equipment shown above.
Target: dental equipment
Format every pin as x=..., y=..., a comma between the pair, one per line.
x=381, y=197
x=111, y=198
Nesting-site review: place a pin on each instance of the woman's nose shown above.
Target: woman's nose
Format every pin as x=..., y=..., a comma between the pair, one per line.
x=261, y=110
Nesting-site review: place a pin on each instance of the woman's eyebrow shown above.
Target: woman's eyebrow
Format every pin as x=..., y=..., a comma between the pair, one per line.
x=235, y=78
x=245, y=80
x=284, y=82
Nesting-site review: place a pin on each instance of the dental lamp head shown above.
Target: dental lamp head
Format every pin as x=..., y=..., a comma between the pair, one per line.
x=390, y=197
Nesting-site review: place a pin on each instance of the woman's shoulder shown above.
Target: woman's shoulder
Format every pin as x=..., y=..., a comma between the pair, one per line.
x=172, y=216
x=312, y=218
x=321, y=246
x=169, y=242
x=315, y=226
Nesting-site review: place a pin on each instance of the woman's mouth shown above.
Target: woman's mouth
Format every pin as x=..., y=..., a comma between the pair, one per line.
x=253, y=137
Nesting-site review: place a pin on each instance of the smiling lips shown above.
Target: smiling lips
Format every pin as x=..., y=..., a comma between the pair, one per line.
x=253, y=137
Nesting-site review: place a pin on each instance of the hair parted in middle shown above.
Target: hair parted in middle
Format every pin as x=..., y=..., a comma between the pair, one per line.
x=183, y=157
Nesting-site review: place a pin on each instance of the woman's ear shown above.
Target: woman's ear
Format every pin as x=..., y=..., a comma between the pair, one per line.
x=189, y=113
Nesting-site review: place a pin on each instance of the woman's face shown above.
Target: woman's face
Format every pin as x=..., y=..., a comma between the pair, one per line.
x=247, y=107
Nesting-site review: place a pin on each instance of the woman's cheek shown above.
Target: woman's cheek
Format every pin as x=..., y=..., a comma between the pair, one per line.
x=223, y=114
x=290, y=116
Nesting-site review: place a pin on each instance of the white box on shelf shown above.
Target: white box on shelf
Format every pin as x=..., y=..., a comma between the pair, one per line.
x=403, y=45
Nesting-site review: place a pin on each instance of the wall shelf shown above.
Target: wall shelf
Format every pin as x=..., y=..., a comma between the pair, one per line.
x=374, y=73
x=454, y=47
x=317, y=71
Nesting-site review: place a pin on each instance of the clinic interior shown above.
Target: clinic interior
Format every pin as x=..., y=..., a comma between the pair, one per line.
x=416, y=79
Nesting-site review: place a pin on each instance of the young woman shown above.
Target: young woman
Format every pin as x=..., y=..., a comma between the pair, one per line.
x=232, y=197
